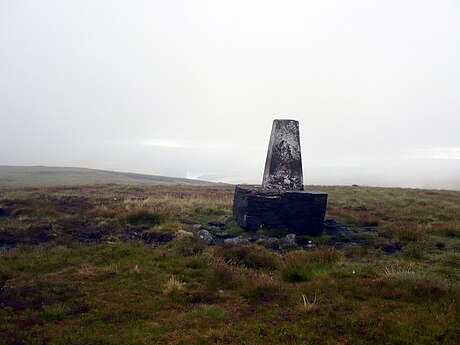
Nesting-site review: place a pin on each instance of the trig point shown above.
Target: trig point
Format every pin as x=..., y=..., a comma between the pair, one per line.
x=283, y=167
x=281, y=201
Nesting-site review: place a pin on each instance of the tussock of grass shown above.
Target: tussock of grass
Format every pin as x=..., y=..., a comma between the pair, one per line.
x=142, y=217
x=302, y=266
x=224, y=273
x=310, y=304
x=408, y=231
x=187, y=246
x=102, y=211
x=169, y=226
x=251, y=256
x=264, y=288
x=55, y=312
x=173, y=286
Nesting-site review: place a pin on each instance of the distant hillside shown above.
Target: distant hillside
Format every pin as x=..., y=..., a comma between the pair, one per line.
x=53, y=176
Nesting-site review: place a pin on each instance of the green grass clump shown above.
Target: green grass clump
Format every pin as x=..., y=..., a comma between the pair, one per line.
x=55, y=312
x=302, y=266
x=252, y=256
x=264, y=289
x=187, y=246
x=208, y=311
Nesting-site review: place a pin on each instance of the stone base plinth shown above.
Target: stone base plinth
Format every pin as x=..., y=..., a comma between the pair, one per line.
x=301, y=212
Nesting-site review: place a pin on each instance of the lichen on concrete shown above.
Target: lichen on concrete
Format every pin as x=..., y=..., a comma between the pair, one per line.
x=283, y=166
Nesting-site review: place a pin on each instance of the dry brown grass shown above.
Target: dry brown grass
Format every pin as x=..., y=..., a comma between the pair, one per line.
x=408, y=231
x=175, y=205
x=310, y=304
x=89, y=271
x=172, y=286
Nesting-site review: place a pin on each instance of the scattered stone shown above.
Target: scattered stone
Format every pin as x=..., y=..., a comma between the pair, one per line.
x=236, y=241
x=206, y=236
x=341, y=236
x=288, y=241
x=220, y=223
x=337, y=231
x=214, y=229
x=183, y=234
x=269, y=242
x=197, y=226
x=223, y=235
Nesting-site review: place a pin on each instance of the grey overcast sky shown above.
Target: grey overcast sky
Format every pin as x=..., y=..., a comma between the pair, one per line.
x=190, y=88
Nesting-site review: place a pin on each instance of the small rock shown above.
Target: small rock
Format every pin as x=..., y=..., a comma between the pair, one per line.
x=236, y=241
x=183, y=234
x=223, y=235
x=220, y=223
x=288, y=241
x=197, y=226
x=206, y=236
x=269, y=242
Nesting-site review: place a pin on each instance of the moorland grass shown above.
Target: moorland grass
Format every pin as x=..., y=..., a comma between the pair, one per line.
x=121, y=291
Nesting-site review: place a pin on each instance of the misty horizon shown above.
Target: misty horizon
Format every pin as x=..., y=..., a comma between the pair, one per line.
x=191, y=90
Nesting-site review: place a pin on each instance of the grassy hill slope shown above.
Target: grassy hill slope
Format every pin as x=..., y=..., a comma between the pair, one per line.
x=56, y=176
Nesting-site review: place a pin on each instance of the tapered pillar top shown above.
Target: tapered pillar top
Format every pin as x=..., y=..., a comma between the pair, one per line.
x=283, y=167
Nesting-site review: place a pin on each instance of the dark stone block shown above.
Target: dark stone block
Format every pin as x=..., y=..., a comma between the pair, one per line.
x=301, y=212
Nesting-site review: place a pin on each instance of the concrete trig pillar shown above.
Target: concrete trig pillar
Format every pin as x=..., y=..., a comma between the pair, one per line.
x=283, y=166
x=281, y=201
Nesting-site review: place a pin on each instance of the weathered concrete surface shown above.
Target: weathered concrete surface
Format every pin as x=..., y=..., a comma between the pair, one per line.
x=302, y=212
x=283, y=166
